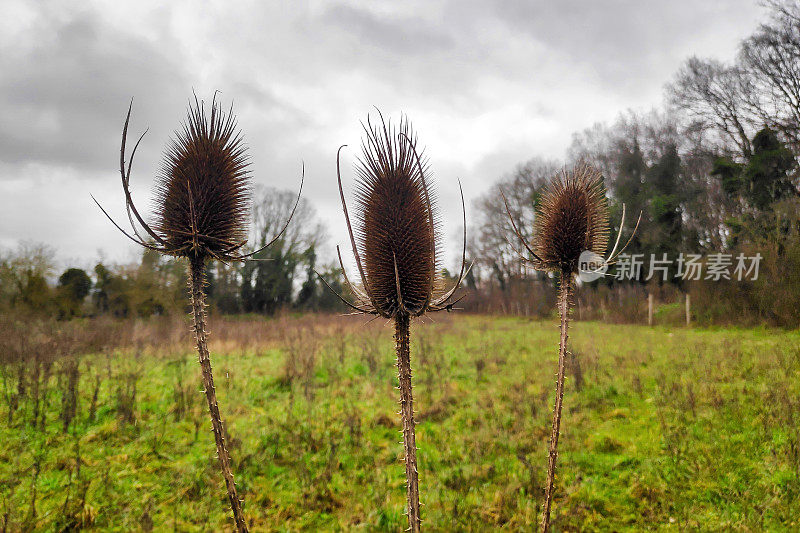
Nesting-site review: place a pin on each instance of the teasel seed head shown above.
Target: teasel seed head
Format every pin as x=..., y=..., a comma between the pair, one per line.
x=397, y=233
x=202, y=192
x=572, y=217
x=397, y=226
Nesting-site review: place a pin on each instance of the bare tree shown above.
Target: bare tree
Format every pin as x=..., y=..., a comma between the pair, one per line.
x=762, y=88
x=269, y=285
x=784, y=9
x=771, y=58
x=271, y=209
x=705, y=205
x=652, y=131
x=491, y=248
x=716, y=97
x=19, y=267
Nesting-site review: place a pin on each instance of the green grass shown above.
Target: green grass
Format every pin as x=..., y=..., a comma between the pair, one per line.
x=671, y=429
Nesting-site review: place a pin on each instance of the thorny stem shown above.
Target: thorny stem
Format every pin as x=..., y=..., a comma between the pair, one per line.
x=564, y=294
x=401, y=338
x=196, y=283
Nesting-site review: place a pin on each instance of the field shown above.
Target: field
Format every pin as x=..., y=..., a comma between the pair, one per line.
x=664, y=428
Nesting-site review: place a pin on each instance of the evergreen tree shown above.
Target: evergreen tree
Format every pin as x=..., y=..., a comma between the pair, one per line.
x=765, y=178
x=663, y=180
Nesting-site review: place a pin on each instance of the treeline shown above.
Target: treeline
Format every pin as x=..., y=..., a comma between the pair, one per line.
x=279, y=278
x=714, y=173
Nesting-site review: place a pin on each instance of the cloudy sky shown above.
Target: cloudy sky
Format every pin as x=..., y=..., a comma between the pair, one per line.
x=486, y=84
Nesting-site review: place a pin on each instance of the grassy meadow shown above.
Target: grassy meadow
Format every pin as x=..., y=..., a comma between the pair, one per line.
x=663, y=429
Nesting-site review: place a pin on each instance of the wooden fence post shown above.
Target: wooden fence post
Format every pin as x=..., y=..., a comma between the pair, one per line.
x=688, y=309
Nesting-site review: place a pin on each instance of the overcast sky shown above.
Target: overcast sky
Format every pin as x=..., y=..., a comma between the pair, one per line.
x=486, y=84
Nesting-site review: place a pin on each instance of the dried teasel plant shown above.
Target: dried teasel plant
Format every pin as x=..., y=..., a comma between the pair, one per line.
x=202, y=204
x=571, y=219
x=395, y=246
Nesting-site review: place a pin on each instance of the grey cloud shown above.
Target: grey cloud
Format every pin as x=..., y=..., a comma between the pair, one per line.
x=396, y=36
x=63, y=102
x=624, y=42
x=489, y=84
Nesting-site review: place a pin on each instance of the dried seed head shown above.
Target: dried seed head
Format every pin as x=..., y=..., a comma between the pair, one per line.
x=202, y=193
x=572, y=217
x=396, y=221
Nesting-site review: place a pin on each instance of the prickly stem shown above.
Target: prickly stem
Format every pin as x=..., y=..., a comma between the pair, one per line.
x=196, y=282
x=564, y=295
x=401, y=337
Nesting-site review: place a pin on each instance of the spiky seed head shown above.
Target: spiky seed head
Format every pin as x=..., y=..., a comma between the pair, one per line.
x=202, y=192
x=572, y=217
x=396, y=221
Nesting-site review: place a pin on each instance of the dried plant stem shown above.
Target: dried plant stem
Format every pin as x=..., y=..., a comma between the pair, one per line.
x=564, y=295
x=196, y=283
x=402, y=324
